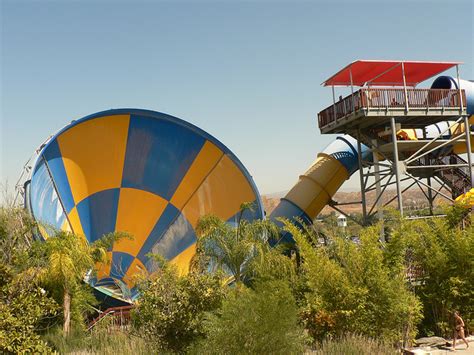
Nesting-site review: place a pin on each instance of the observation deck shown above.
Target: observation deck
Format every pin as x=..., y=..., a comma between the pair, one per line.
x=387, y=88
x=372, y=107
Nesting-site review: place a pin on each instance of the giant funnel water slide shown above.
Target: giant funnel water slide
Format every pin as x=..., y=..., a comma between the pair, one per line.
x=142, y=172
x=316, y=187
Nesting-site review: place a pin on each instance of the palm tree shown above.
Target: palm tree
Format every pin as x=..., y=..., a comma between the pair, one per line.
x=67, y=259
x=221, y=245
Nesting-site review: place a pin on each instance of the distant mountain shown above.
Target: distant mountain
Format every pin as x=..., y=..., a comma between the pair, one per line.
x=279, y=194
x=412, y=199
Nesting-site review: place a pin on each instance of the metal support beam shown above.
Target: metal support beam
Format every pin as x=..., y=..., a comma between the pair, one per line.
x=405, y=189
x=383, y=177
x=381, y=193
x=443, y=184
x=441, y=134
x=389, y=183
x=450, y=141
x=438, y=167
x=361, y=176
x=57, y=192
x=425, y=185
x=467, y=129
x=428, y=181
x=421, y=189
x=405, y=87
x=378, y=190
x=396, y=163
x=335, y=203
x=345, y=214
x=352, y=90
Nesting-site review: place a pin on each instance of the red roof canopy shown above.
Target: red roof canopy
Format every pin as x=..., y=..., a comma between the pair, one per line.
x=387, y=72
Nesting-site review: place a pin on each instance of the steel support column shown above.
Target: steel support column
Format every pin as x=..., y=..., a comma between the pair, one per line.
x=378, y=189
x=428, y=181
x=396, y=164
x=467, y=129
x=361, y=176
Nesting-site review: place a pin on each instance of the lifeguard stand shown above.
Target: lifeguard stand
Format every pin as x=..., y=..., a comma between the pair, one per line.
x=392, y=116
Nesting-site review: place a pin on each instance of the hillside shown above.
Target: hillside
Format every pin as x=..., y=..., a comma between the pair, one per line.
x=413, y=199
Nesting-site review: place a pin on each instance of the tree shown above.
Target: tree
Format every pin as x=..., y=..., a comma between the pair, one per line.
x=64, y=260
x=439, y=257
x=223, y=246
x=349, y=288
x=263, y=320
x=15, y=234
x=24, y=308
x=171, y=307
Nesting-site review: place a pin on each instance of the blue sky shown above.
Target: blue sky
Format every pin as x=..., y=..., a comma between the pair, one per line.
x=248, y=72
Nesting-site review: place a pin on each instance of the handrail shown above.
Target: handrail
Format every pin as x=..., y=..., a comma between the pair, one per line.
x=391, y=98
x=456, y=178
x=121, y=310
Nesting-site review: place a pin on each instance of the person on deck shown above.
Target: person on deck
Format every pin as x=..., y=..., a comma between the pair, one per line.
x=458, y=330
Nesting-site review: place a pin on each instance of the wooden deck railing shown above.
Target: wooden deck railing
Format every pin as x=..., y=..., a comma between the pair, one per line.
x=390, y=99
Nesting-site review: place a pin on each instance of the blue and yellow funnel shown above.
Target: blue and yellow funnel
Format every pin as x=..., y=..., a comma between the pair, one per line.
x=142, y=172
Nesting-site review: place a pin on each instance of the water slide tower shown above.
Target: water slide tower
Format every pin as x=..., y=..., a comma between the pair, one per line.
x=416, y=135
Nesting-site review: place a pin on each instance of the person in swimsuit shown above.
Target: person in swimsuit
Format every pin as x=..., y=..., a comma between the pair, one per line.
x=458, y=330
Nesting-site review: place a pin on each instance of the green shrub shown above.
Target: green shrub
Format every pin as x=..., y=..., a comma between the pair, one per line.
x=24, y=308
x=259, y=321
x=171, y=308
x=440, y=255
x=350, y=288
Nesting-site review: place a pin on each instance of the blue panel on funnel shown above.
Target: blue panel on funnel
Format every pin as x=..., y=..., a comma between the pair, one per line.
x=45, y=203
x=159, y=153
x=178, y=237
x=120, y=264
x=53, y=156
x=248, y=215
x=167, y=218
x=98, y=213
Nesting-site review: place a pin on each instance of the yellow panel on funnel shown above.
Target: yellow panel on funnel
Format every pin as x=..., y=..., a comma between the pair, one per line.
x=73, y=217
x=183, y=260
x=201, y=166
x=103, y=269
x=221, y=193
x=136, y=271
x=138, y=212
x=93, y=154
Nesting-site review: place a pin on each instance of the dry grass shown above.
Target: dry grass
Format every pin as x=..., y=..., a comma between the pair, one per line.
x=353, y=345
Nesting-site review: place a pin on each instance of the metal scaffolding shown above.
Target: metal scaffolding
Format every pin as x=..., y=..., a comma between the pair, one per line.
x=383, y=118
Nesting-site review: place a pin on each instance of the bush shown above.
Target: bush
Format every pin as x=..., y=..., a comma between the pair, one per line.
x=171, y=308
x=440, y=257
x=259, y=321
x=351, y=289
x=24, y=308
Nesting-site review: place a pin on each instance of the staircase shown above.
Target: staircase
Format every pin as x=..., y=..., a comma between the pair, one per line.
x=458, y=178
